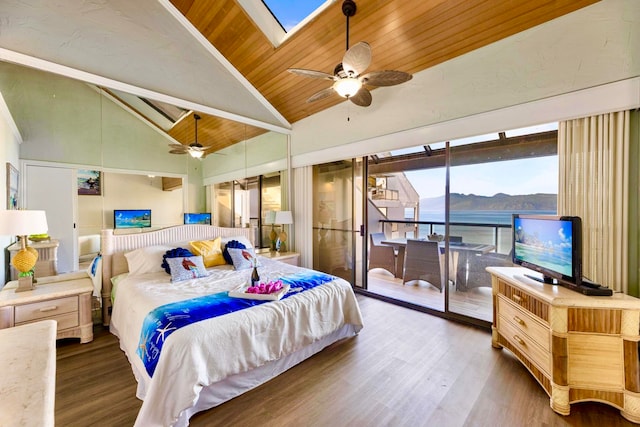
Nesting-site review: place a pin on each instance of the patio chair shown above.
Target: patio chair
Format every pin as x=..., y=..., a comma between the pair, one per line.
x=478, y=276
x=422, y=262
x=381, y=255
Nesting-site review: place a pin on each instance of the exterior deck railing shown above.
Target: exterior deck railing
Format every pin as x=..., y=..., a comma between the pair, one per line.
x=498, y=235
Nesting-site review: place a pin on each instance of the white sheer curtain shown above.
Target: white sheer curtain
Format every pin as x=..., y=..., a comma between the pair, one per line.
x=593, y=156
x=303, y=223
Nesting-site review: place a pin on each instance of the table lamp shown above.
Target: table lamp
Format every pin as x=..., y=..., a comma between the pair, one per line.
x=270, y=219
x=284, y=218
x=21, y=223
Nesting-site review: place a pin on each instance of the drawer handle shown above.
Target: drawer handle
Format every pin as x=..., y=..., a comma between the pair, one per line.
x=519, y=340
x=518, y=320
x=517, y=298
x=45, y=309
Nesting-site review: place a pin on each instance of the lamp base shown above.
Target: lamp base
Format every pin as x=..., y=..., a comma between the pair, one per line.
x=283, y=239
x=25, y=284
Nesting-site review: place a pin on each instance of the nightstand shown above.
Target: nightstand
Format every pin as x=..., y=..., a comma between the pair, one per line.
x=292, y=258
x=65, y=298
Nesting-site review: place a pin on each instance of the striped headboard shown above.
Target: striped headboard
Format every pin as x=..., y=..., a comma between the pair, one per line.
x=114, y=246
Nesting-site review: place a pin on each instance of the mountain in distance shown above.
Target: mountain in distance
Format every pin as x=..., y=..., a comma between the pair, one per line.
x=497, y=202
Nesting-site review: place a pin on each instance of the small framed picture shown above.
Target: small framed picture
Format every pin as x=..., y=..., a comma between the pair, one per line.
x=13, y=177
x=89, y=183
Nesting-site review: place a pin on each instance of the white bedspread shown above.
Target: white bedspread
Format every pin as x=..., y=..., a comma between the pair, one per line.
x=206, y=352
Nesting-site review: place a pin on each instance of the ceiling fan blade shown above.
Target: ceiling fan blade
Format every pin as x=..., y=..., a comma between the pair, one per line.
x=385, y=78
x=362, y=97
x=324, y=93
x=177, y=152
x=311, y=73
x=357, y=59
x=178, y=147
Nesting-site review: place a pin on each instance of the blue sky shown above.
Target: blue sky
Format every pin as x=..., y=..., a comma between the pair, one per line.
x=527, y=176
x=513, y=177
x=290, y=13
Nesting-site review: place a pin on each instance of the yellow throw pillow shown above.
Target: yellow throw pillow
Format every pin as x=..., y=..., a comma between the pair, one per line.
x=210, y=251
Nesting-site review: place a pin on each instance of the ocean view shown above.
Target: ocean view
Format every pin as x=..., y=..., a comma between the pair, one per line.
x=477, y=216
x=501, y=237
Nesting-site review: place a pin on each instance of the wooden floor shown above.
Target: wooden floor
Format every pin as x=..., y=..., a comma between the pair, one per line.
x=405, y=368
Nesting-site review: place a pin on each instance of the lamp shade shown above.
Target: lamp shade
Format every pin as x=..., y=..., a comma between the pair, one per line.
x=347, y=87
x=283, y=217
x=270, y=217
x=196, y=154
x=22, y=222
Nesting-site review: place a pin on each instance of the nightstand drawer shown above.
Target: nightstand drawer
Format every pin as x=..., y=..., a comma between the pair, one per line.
x=46, y=310
x=65, y=321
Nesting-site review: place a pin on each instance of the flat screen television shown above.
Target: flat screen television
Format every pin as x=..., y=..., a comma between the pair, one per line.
x=197, y=218
x=550, y=245
x=131, y=218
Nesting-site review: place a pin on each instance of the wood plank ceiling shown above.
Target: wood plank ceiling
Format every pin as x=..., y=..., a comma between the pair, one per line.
x=405, y=35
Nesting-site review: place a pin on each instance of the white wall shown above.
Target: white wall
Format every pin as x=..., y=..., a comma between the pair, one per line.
x=9, y=146
x=127, y=191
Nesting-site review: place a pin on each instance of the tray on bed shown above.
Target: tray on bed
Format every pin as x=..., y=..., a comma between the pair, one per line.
x=241, y=292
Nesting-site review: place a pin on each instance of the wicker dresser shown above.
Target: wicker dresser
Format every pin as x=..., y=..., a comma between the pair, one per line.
x=578, y=347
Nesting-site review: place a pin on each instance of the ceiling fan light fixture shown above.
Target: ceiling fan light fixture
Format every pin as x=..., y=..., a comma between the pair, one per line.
x=196, y=154
x=347, y=87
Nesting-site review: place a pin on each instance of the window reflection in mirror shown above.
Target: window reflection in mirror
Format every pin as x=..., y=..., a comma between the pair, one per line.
x=245, y=202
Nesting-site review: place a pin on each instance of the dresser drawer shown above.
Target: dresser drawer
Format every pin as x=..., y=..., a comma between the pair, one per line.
x=533, y=305
x=46, y=309
x=525, y=323
x=527, y=346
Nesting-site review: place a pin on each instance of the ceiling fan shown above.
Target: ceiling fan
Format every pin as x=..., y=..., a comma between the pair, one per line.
x=195, y=149
x=349, y=82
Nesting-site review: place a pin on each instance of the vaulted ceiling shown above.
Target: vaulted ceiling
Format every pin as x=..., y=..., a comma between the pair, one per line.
x=209, y=56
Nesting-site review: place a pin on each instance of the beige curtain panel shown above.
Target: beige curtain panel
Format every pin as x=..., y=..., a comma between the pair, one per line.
x=593, y=156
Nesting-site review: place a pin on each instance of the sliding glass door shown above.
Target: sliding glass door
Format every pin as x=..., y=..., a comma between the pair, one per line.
x=337, y=219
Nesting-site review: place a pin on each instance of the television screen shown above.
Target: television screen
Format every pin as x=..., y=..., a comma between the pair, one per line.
x=197, y=218
x=550, y=245
x=131, y=218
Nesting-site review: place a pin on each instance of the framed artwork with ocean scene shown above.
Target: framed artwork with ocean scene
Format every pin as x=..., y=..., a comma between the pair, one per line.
x=89, y=183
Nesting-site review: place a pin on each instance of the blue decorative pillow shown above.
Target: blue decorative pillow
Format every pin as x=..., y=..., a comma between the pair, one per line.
x=231, y=244
x=173, y=253
x=243, y=258
x=185, y=268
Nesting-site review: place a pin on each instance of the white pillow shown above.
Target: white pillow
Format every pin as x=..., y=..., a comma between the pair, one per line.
x=246, y=242
x=146, y=260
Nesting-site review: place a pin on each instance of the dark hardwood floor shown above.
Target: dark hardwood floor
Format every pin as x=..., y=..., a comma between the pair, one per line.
x=405, y=368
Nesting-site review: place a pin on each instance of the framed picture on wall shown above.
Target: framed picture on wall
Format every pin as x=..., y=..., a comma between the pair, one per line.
x=12, y=187
x=89, y=183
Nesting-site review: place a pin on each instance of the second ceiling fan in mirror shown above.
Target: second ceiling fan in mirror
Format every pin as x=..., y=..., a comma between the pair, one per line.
x=195, y=149
x=349, y=82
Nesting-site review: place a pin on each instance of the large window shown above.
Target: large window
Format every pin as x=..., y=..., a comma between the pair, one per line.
x=457, y=196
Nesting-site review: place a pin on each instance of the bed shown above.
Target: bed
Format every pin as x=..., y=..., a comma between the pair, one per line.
x=206, y=363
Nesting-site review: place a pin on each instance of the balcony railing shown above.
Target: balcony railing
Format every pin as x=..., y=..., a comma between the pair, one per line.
x=498, y=235
x=384, y=194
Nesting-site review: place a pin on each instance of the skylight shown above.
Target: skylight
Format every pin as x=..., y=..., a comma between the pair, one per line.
x=279, y=19
x=289, y=14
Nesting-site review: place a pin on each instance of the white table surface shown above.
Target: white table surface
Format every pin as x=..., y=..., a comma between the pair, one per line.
x=28, y=375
